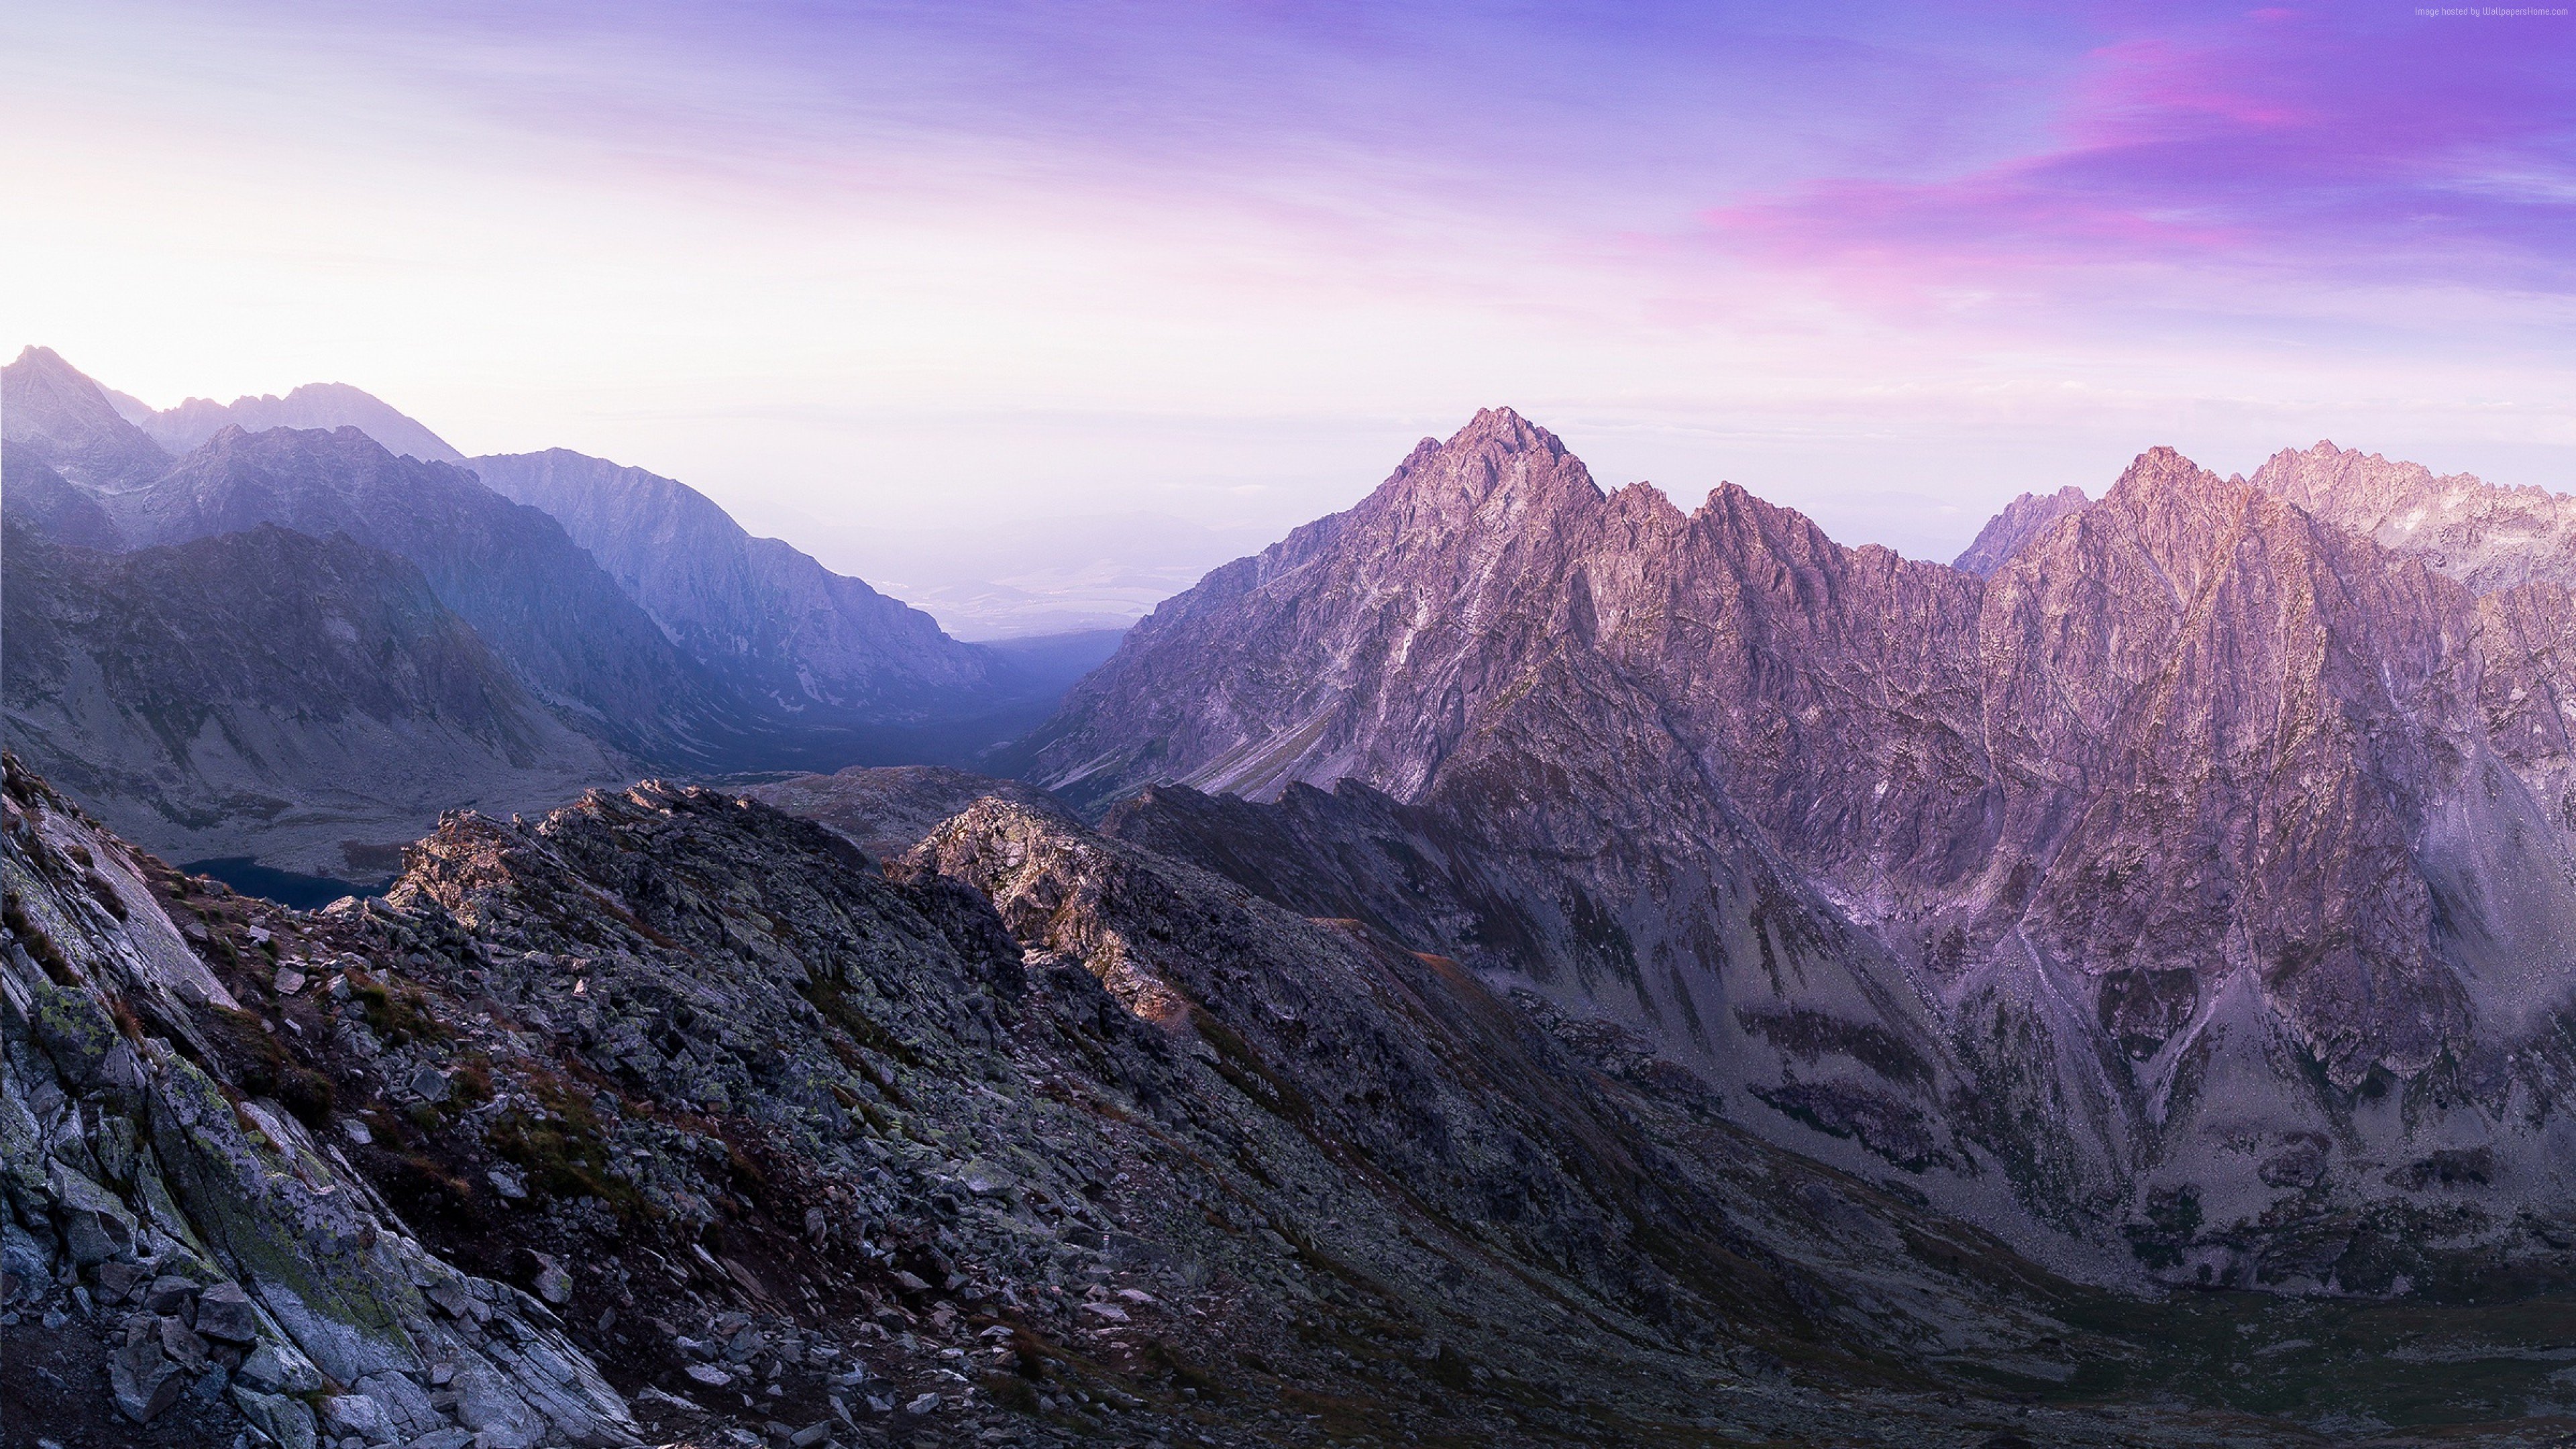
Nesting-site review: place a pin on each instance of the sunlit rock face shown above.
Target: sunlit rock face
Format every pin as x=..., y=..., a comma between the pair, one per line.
x=2202, y=850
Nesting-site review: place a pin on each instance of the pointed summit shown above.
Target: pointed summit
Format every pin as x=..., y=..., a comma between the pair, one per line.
x=1499, y=465
x=2486, y=535
x=1509, y=430
x=2023, y=519
x=61, y=418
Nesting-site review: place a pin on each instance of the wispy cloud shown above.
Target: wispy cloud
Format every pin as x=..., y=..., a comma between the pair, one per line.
x=2287, y=147
x=864, y=259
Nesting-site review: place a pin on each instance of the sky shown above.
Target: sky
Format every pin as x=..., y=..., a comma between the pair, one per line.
x=1031, y=312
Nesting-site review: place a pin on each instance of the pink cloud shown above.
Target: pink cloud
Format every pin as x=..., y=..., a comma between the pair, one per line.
x=2276, y=144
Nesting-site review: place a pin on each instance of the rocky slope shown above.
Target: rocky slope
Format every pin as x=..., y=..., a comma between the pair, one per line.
x=195, y=704
x=782, y=627
x=42, y=501
x=667, y=1116
x=316, y=406
x=2207, y=860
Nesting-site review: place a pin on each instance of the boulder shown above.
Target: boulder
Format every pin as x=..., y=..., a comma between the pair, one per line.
x=118, y=1281
x=224, y=1312
x=554, y=1285
x=96, y=1226
x=142, y=1380
x=183, y=1346
x=287, y=1422
x=347, y=1414
x=172, y=1295
x=279, y=1368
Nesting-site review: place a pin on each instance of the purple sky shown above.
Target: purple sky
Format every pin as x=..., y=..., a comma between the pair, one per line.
x=862, y=271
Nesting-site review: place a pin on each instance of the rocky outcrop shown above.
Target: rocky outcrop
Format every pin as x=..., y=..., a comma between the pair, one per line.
x=216, y=1249
x=316, y=406
x=2023, y=519
x=782, y=627
x=205, y=712
x=2201, y=822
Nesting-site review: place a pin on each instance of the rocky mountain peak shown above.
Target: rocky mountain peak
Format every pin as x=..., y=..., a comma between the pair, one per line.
x=2487, y=536
x=2179, y=513
x=2022, y=520
x=2320, y=477
x=65, y=420
x=1499, y=466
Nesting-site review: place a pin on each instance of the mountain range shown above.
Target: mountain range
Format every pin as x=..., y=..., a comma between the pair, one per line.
x=649, y=628
x=2194, y=884
x=322, y=406
x=1513, y=961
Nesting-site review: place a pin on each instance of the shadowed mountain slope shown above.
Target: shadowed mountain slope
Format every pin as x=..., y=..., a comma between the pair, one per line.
x=782, y=627
x=193, y=703
x=537, y=598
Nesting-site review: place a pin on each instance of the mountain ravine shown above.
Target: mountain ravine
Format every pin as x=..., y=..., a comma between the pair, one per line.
x=2190, y=895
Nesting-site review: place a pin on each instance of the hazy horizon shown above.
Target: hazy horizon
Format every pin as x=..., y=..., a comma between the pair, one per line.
x=989, y=578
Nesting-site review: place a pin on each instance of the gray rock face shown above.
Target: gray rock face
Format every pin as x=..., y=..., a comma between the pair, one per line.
x=782, y=626
x=206, y=711
x=157, y=1172
x=323, y=406
x=2201, y=822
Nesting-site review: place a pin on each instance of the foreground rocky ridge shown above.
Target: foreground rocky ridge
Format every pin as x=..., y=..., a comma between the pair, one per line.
x=669, y=1116
x=2200, y=878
